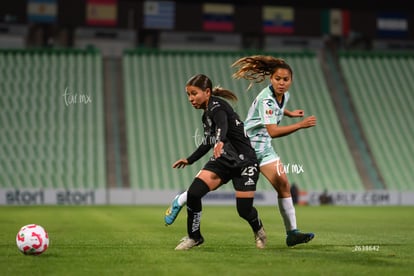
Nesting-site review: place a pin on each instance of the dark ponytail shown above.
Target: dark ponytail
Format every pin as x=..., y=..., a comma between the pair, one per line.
x=203, y=82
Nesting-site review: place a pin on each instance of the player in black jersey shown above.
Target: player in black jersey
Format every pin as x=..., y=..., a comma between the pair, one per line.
x=233, y=159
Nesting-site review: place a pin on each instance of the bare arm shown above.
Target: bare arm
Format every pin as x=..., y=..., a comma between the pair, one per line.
x=294, y=113
x=279, y=131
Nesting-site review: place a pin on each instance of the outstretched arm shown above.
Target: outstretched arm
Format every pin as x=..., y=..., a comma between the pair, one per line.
x=279, y=131
x=198, y=153
x=294, y=113
x=181, y=163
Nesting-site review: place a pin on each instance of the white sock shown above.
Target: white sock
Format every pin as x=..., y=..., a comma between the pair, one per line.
x=182, y=198
x=287, y=210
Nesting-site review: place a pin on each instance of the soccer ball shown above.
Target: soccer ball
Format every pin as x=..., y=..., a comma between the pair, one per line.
x=32, y=239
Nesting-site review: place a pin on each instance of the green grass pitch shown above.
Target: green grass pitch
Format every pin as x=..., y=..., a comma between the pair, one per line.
x=133, y=240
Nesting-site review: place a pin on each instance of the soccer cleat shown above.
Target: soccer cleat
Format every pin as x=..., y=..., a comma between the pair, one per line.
x=188, y=243
x=295, y=237
x=172, y=211
x=260, y=238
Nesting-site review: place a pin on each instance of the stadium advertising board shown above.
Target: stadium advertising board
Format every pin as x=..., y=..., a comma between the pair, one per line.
x=149, y=197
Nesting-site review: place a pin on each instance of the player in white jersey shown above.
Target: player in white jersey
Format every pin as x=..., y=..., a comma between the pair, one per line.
x=262, y=125
x=265, y=110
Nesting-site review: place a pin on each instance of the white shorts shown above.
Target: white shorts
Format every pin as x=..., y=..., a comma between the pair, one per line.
x=267, y=156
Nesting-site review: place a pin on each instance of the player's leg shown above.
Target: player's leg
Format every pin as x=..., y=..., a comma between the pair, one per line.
x=176, y=205
x=245, y=186
x=275, y=174
x=174, y=209
x=249, y=213
x=202, y=184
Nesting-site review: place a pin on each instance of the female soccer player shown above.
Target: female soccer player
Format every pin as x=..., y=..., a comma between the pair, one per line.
x=233, y=158
x=262, y=125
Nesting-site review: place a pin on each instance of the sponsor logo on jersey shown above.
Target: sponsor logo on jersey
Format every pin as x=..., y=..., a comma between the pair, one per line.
x=268, y=102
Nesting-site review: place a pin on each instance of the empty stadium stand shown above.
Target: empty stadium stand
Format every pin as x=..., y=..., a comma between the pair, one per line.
x=53, y=123
x=51, y=118
x=380, y=85
x=162, y=125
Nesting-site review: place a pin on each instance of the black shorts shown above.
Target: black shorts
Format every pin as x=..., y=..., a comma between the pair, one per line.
x=244, y=178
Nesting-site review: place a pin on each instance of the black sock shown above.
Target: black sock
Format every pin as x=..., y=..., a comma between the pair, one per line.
x=247, y=211
x=194, y=194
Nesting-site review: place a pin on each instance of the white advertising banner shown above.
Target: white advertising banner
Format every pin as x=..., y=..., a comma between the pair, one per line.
x=151, y=197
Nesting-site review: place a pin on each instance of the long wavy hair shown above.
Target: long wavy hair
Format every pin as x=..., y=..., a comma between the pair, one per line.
x=256, y=68
x=203, y=82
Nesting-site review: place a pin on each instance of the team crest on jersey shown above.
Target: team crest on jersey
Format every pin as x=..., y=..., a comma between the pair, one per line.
x=215, y=104
x=269, y=112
